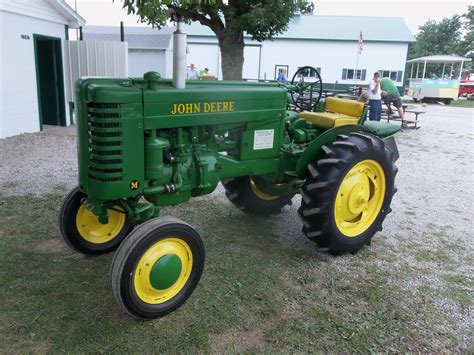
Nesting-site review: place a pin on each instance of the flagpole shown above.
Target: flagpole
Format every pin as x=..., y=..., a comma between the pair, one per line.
x=357, y=65
x=359, y=50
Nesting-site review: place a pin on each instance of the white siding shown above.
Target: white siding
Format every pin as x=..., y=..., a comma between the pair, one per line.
x=204, y=56
x=332, y=57
x=251, y=62
x=169, y=62
x=18, y=92
x=94, y=58
x=142, y=60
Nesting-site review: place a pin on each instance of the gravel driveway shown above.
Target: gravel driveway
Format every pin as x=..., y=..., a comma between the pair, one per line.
x=427, y=242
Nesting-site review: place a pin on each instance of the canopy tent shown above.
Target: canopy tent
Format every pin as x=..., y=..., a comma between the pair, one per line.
x=437, y=59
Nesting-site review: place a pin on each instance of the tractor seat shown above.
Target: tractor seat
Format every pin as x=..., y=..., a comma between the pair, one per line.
x=339, y=112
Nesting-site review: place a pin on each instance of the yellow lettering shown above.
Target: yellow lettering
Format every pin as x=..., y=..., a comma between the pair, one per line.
x=189, y=108
x=134, y=185
x=173, y=111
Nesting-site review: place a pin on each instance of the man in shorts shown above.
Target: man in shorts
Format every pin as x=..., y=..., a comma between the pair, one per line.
x=391, y=96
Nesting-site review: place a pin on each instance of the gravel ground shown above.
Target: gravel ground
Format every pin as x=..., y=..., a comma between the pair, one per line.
x=432, y=217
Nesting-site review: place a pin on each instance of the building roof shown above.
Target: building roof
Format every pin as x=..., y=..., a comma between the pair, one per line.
x=335, y=28
x=440, y=59
x=75, y=20
x=137, y=37
x=57, y=11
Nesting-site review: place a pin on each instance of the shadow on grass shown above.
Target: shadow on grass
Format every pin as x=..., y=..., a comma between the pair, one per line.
x=258, y=293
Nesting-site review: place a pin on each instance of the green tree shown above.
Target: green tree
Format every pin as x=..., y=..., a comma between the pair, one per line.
x=466, y=46
x=261, y=19
x=444, y=37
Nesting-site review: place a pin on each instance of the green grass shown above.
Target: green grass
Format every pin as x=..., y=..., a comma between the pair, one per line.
x=258, y=293
x=462, y=103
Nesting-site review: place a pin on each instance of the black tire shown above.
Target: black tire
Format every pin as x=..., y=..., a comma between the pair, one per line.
x=240, y=192
x=322, y=188
x=69, y=228
x=128, y=262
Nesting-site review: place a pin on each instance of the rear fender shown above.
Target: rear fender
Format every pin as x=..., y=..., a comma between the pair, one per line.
x=312, y=151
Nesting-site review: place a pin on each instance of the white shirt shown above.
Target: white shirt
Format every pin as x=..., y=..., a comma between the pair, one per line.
x=192, y=74
x=377, y=95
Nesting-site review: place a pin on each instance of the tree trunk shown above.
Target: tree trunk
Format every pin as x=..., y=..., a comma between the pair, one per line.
x=232, y=46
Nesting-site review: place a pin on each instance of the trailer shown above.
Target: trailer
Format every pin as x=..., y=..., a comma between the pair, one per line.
x=435, y=78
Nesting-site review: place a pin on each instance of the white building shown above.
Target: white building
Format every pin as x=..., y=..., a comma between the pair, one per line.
x=32, y=64
x=328, y=43
x=148, y=48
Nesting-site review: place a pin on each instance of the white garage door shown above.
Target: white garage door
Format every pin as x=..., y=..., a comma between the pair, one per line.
x=251, y=62
x=142, y=60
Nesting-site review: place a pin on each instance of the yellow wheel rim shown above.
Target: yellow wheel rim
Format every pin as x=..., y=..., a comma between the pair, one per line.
x=93, y=231
x=360, y=198
x=260, y=194
x=146, y=269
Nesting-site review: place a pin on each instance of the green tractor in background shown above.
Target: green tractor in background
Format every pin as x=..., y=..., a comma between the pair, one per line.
x=144, y=144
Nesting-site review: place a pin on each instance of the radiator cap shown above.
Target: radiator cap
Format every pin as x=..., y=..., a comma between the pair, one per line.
x=152, y=77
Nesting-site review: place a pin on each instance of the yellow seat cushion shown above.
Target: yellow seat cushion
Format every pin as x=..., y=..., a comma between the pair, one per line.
x=328, y=119
x=344, y=106
x=346, y=121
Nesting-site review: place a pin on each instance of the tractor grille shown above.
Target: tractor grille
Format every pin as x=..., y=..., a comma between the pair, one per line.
x=105, y=142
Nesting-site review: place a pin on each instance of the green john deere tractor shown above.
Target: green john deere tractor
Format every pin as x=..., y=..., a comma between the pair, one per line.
x=143, y=144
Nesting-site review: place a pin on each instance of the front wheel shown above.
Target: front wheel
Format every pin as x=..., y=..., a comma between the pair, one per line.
x=82, y=230
x=348, y=192
x=157, y=268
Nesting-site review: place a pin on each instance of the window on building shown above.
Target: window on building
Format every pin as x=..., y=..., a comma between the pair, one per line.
x=353, y=74
x=392, y=74
x=309, y=73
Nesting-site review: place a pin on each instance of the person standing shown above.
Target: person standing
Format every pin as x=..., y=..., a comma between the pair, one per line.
x=375, y=98
x=391, y=96
x=192, y=72
x=282, y=75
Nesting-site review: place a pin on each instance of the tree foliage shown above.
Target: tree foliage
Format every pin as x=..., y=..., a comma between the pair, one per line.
x=467, y=45
x=453, y=35
x=442, y=37
x=229, y=20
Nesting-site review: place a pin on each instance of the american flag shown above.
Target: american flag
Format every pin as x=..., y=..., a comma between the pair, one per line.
x=361, y=43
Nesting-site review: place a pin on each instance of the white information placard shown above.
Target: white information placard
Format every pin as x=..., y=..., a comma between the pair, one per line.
x=263, y=139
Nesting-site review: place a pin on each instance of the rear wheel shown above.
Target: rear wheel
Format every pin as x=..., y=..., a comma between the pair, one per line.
x=82, y=230
x=348, y=192
x=157, y=268
x=244, y=193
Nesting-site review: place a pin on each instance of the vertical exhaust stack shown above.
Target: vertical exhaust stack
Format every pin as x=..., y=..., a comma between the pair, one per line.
x=179, y=56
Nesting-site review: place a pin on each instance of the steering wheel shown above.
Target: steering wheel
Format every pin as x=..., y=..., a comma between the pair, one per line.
x=308, y=88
